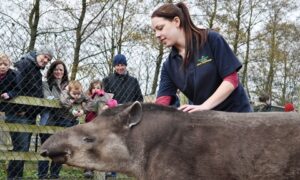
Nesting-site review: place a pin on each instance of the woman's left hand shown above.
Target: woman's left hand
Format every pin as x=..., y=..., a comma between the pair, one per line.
x=192, y=108
x=5, y=96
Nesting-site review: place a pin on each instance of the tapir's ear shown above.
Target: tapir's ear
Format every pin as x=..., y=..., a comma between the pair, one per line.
x=132, y=115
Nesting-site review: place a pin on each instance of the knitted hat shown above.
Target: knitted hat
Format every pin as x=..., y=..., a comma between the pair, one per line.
x=44, y=50
x=289, y=107
x=119, y=59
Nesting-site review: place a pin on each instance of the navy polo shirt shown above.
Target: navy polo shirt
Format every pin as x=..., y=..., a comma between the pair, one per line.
x=204, y=74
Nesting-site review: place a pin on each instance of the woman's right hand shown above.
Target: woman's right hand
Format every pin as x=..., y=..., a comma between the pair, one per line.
x=5, y=96
x=192, y=108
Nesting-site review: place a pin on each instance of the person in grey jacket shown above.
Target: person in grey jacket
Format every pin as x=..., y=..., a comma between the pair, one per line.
x=124, y=87
x=57, y=81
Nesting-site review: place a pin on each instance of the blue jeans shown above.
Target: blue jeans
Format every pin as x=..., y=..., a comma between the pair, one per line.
x=20, y=142
x=110, y=174
x=44, y=118
x=43, y=166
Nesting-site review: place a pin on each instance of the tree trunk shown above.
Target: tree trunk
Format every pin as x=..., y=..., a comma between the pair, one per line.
x=34, y=17
x=270, y=77
x=78, y=41
x=246, y=60
x=213, y=15
x=157, y=68
x=122, y=26
x=237, y=27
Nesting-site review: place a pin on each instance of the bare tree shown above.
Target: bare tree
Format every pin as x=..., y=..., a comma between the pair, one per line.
x=254, y=10
x=33, y=22
x=82, y=33
x=276, y=12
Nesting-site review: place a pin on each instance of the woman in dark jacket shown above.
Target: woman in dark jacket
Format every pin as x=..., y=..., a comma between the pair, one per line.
x=201, y=64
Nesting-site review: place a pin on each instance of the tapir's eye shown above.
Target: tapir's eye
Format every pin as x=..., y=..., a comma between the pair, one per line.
x=88, y=139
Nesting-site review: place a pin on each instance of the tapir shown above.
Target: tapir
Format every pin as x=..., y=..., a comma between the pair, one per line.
x=152, y=142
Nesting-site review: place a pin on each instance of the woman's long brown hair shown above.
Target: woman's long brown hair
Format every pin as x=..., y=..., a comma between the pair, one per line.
x=195, y=37
x=50, y=74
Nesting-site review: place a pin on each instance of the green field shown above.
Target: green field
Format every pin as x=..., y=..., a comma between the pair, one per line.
x=30, y=172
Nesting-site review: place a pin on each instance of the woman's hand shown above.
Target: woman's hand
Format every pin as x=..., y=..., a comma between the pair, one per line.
x=4, y=96
x=223, y=91
x=192, y=108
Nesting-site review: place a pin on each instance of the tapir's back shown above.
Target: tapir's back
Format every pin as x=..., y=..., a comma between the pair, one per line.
x=248, y=145
x=155, y=142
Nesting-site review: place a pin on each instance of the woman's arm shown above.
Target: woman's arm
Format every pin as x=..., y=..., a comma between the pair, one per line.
x=228, y=85
x=223, y=91
x=167, y=88
x=46, y=91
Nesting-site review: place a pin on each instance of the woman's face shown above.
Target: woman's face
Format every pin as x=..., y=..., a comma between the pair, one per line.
x=166, y=31
x=58, y=72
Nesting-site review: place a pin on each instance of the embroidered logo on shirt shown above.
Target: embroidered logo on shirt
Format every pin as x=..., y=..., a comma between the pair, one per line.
x=203, y=60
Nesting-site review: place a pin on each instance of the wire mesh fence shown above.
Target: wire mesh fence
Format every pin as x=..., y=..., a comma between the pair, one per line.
x=21, y=137
x=48, y=77
x=32, y=109
x=84, y=51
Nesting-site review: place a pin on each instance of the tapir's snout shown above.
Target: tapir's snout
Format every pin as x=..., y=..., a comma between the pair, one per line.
x=55, y=151
x=56, y=148
x=44, y=153
x=56, y=156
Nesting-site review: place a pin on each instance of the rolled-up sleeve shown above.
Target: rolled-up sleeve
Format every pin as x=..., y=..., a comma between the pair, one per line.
x=166, y=85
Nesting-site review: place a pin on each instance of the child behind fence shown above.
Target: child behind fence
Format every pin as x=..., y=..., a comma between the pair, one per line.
x=8, y=85
x=98, y=100
x=8, y=80
x=74, y=100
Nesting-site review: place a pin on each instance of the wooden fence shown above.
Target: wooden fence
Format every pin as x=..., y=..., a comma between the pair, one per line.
x=5, y=128
x=6, y=152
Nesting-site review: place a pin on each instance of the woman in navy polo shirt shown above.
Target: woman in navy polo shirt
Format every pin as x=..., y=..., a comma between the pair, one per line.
x=200, y=64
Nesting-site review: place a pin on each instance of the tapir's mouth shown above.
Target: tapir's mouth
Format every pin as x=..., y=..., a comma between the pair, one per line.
x=56, y=156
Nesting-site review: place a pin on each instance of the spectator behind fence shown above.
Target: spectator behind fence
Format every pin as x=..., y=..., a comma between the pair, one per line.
x=263, y=104
x=201, y=64
x=124, y=87
x=57, y=80
x=30, y=84
x=8, y=83
x=98, y=100
x=74, y=100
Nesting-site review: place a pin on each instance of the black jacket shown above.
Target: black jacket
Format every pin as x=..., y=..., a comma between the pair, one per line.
x=8, y=85
x=29, y=76
x=124, y=87
x=29, y=81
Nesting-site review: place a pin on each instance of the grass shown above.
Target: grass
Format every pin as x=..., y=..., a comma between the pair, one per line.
x=67, y=172
x=30, y=171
